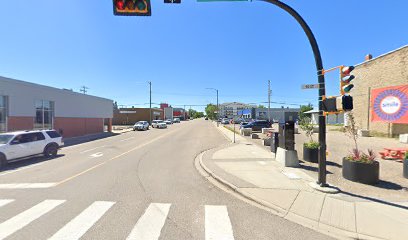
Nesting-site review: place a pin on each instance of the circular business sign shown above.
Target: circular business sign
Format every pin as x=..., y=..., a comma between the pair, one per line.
x=391, y=104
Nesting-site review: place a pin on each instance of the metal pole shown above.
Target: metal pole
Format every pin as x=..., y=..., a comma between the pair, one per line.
x=368, y=108
x=150, y=102
x=218, y=110
x=269, y=100
x=322, y=88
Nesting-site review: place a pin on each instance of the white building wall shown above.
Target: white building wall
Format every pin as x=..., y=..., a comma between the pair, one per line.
x=22, y=96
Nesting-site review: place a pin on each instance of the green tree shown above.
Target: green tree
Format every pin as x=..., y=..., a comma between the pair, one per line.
x=210, y=111
x=303, y=109
x=198, y=114
x=261, y=106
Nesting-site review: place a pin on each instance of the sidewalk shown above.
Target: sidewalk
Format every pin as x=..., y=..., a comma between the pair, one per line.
x=251, y=171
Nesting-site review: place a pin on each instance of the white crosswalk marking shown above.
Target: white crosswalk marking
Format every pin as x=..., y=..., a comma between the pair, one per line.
x=149, y=226
x=5, y=201
x=217, y=223
x=23, y=219
x=83, y=222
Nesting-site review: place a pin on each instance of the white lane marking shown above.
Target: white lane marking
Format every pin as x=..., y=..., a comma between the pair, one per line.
x=126, y=139
x=217, y=223
x=5, y=201
x=92, y=149
x=262, y=162
x=149, y=226
x=291, y=175
x=26, y=185
x=83, y=222
x=22, y=168
x=96, y=155
x=23, y=219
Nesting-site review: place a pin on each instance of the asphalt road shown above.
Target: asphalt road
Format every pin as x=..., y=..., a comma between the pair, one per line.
x=137, y=185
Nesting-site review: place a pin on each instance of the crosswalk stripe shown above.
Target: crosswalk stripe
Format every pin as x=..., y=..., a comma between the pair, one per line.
x=5, y=201
x=23, y=219
x=217, y=223
x=83, y=222
x=149, y=226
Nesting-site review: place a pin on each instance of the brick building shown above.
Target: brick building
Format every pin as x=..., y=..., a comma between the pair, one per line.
x=389, y=69
x=129, y=116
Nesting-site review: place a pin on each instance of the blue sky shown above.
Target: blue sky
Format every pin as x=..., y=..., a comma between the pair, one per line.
x=185, y=48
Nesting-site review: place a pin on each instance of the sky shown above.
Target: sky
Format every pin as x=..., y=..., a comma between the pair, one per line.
x=235, y=47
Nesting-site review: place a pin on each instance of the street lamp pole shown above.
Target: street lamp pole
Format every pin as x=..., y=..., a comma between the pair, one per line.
x=322, y=88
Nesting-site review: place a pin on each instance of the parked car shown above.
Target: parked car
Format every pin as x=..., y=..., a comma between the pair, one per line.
x=168, y=121
x=161, y=125
x=257, y=125
x=141, y=125
x=206, y=118
x=22, y=144
x=176, y=120
x=225, y=121
x=155, y=122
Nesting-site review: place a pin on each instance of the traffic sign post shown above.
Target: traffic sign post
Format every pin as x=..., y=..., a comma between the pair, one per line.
x=310, y=86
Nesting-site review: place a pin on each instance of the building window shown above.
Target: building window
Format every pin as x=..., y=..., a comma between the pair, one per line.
x=44, y=114
x=3, y=113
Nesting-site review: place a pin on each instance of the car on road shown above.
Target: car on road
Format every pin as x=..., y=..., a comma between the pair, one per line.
x=176, y=120
x=141, y=125
x=168, y=121
x=155, y=122
x=257, y=125
x=206, y=118
x=22, y=144
x=161, y=125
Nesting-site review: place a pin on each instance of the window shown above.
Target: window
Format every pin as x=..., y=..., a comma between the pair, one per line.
x=3, y=113
x=53, y=134
x=44, y=114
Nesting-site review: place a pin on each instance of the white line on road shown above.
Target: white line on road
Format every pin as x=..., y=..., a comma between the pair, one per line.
x=149, y=226
x=83, y=222
x=22, y=168
x=96, y=155
x=5, y=201
x=217, y=223
x=26, y=185
x=126, y=139
x=23, y=219
x=92, y=149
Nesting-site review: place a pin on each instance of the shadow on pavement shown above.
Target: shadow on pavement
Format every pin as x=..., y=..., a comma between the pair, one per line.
x=310, y=168
x=329, y=163
x=388, y=185
x=376, y=200
x=87, y=138
x=26, y=162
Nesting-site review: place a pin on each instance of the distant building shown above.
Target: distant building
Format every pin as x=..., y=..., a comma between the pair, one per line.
x=230, y=109
x=277, y=114
x=129, y=116
x=330, y=119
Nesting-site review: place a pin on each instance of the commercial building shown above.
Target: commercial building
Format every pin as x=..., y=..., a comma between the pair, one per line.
x=27, y=106
x=385, y=71
x=277, y=114
x=129, y=116
x=171, y=113
x=330, y=119
x=230, y=109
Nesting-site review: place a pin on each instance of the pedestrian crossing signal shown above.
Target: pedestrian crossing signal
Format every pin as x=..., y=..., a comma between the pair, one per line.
x=132, y=7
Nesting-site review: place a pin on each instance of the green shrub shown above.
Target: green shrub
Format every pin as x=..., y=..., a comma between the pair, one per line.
x=311, y=145
x=406, y=155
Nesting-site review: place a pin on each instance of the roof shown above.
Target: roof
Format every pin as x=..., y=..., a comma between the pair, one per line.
x=382, y=55
x=312, y=111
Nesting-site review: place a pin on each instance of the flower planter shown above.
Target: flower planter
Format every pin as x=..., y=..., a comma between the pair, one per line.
x=310, y=154
x=367, y=173
x=405, y=168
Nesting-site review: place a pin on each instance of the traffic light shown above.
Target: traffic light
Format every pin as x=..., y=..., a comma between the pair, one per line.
x=345, y=79
x=132, y=7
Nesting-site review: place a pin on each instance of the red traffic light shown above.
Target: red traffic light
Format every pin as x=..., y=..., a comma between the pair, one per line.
x=347, y=70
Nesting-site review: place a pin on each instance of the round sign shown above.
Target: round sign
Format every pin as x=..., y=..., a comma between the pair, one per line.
x=390, y=105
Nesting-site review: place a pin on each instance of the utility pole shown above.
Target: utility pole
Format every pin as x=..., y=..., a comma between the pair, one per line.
x=218, y=106
x=150, y=102
x=84, y=89
x=269, y=100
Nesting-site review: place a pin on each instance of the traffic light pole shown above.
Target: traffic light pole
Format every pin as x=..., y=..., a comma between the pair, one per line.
x=322, y=88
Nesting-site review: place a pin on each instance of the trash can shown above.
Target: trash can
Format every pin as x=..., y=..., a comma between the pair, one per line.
x=274, y=142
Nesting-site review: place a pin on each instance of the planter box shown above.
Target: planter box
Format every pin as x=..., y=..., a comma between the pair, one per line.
x=363, y=133
x=361, y=172
x=246, y=131
x=310, y=155
x=254, y=136
x=405, y=168
x=316, y=129
x=267, y=141
x=403, y=138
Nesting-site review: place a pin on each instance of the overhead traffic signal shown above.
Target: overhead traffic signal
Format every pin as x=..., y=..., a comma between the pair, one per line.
x=345, y=79
x=132, y=7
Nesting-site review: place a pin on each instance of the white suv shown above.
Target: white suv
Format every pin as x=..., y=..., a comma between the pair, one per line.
x=22, y=144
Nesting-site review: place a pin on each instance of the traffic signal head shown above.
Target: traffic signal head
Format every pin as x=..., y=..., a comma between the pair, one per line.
x=345, y=79
x=132, y=7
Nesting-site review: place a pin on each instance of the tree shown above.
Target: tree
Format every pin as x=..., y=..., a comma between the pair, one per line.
x=261, y=106
x=210, y=111
x=303, y=109
x=198, y=114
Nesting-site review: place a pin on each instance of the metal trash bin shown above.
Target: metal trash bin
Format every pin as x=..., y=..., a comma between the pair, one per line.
x=274, y=142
